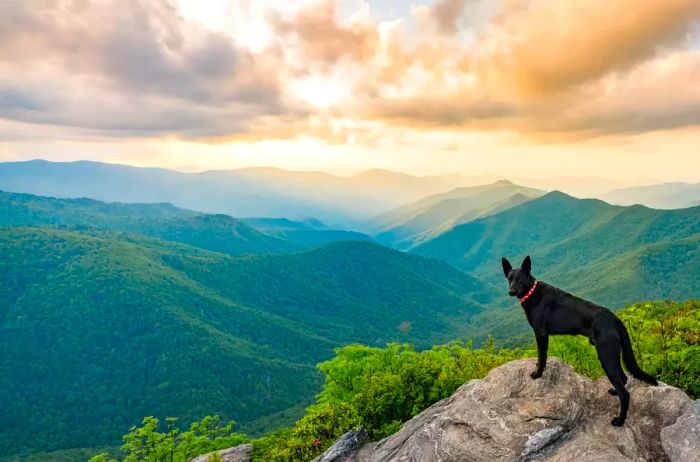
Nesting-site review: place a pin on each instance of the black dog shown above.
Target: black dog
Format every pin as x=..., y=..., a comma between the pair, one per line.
x=551, y=311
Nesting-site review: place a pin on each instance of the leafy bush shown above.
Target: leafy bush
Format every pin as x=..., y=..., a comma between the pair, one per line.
x=665, y=338
x=147, y=444
x=380, y=388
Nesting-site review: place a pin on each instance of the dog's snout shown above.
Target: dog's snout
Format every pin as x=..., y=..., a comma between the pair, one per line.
x=511, y=292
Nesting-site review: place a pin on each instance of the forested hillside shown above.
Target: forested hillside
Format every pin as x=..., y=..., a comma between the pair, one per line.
x=100, y=328
x=611, y=254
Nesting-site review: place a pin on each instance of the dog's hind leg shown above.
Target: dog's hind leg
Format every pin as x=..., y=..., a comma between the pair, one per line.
x=612, y=391
x=609, y=354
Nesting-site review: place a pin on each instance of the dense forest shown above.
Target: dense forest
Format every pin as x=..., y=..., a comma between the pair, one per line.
x=102, y=327
x=380, y=388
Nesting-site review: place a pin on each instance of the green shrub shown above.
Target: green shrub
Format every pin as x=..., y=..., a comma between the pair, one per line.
x=147, y=444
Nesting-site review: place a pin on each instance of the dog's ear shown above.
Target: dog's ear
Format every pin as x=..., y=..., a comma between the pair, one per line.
x=506, y=266
x=527, y=264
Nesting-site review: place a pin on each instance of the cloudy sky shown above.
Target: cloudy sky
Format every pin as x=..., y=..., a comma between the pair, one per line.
x=539, y=88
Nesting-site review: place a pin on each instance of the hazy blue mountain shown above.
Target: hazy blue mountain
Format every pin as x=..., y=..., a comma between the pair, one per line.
x=216, y=232
x=249, y=192
x=413, y=223
x=659, y=196
x=307, y=233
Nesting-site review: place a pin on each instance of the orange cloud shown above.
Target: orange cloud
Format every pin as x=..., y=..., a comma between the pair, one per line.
x=546, y=46
x=546, y=68
x=318, y=35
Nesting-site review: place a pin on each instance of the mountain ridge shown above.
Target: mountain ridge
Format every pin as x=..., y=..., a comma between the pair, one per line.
x=215, y=232
x=408, y=225
x=574, y=241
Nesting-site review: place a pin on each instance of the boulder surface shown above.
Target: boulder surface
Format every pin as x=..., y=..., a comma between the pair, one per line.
x=508, y=416
x=236, y=454
x=562, y=416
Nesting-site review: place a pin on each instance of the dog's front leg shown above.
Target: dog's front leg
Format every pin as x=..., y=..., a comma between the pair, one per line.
x=542, y=346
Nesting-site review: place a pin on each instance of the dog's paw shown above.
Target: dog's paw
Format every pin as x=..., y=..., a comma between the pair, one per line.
x=618, y=421
x=612, y=391
x=536, y=375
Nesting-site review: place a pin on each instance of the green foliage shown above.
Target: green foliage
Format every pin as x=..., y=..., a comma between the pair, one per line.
x=665, y=338
x=380, y=388
x=64, y=455
x=100, y=328
x=147, y=444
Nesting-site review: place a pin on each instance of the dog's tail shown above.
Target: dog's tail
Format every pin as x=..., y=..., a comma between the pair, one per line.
x=628, y=356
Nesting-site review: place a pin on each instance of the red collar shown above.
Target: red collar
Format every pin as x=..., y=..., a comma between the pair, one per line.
x=529, y=293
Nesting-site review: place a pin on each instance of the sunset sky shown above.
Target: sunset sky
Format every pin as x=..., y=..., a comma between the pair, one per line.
x=538, y=88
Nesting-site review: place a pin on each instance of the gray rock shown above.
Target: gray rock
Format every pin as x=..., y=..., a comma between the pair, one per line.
x=236, y=454
x=510, y=417
x=543, y=438
x=681, y=441
x=345, y=448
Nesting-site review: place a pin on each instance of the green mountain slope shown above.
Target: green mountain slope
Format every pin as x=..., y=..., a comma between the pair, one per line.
x=220, y=233
x=411, y=224
x=100, y=328
x=587, y=246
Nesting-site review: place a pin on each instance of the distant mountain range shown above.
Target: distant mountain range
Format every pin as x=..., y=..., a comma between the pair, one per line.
x=250, y=192
x=219, y=233
x=306, y=233
x=660, y=196
x=427, y=218
x=346, y=202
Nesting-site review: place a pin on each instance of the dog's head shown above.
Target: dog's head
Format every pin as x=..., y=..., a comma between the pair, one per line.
x=520, y=280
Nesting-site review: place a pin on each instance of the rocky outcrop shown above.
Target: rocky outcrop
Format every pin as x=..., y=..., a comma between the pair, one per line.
x=345, y=448
x=237, y=454
x=560, y=417
x=681, y=441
